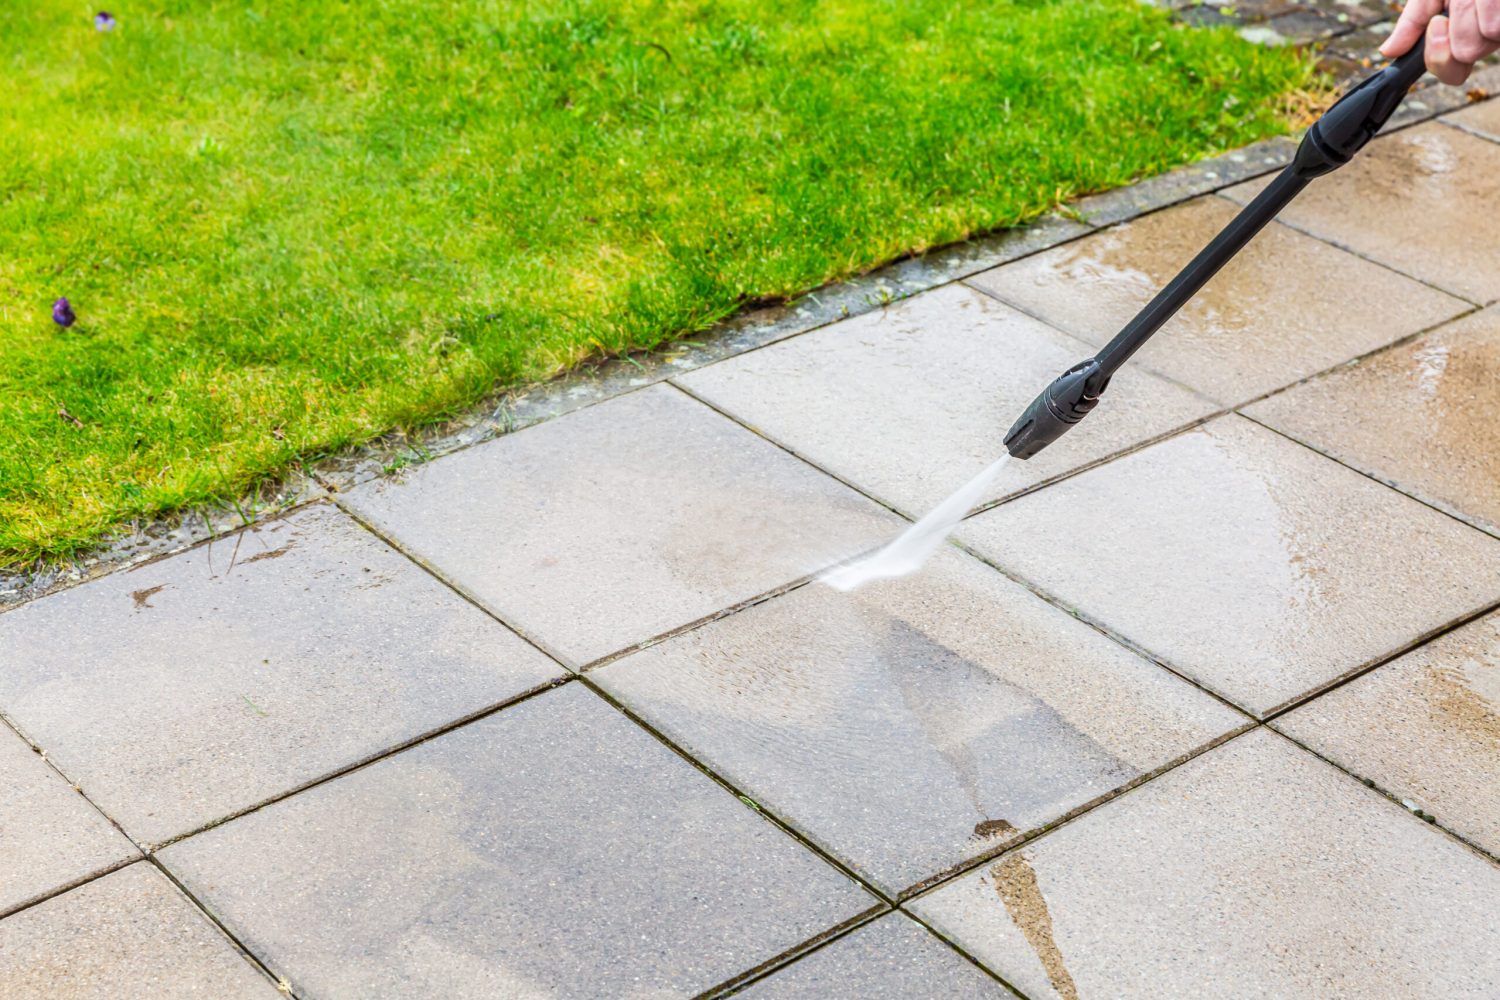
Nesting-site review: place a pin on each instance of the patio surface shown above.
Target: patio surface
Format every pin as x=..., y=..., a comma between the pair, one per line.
x=1204, y=701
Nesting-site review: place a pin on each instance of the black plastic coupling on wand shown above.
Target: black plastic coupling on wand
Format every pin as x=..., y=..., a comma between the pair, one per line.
x=1066, y=401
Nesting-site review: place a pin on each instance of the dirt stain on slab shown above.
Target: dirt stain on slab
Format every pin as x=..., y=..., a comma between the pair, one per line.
x=142, y=598
x=268, y=554
x=1016, y=883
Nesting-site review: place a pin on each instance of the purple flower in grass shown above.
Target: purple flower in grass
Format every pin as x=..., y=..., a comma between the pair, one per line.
x=62, y=313
x=104, y=21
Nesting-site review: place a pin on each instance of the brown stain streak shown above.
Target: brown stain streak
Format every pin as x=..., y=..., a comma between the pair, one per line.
x=142, y=598
x=1016, y=883
x=1467, y=709
x=270, y=554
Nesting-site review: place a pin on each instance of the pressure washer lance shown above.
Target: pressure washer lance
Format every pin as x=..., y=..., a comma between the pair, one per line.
x=1329, y=144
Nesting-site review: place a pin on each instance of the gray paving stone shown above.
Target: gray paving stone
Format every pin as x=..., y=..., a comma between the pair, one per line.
x=908, y=403
x=602, y=529
x=50, y=836
x=200, y=685
x=1285, y=308
x=1255, y=870
x=552, y=849
x=128, y=934
x=913, y=724
x=1250, y=563
x=1185, y=182
x=889, y=957
x=1425, y=728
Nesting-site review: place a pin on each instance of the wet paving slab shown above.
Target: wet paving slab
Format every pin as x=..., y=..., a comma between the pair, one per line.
x=1408, y=201
x=614, y=524
x=1254, y=565
x=911, y=725
x=1255, y=865
x=893, y=956
x=1266, y=320
x=128, y=934
x=1424, y=728
x=50, y=837
x=1483, y=119
x=1420, y=416
x=194, y=687
x=908, y=403
x=552, y=849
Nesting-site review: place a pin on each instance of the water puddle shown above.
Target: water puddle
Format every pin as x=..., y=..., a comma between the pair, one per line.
x=916, y=544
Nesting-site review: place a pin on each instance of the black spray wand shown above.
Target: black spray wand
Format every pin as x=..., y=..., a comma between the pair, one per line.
x=1329, y=144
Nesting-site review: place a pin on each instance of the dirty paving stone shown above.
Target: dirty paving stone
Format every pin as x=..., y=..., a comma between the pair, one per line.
x=552, y=849
x=907, y=404
x=1408, y=202
x=1419, y=416
x=1185, y=182
x=1256, y=566
x=1241, y=336
x=1425, y=728
x=1255, y=864
x=130, y=933
x=892, y=956
x=612, y=525
x=205, y=683
x=49, y=834
x=913, y=724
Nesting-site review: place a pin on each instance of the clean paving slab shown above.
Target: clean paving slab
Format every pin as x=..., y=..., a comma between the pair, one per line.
x=614, y=524
x=907, y=403
x=203, y=684
x=1483, y=119
x=913, y=724
x=1421, y=416
x=1255, y=870
x=893, y=956
x=1286, y=307
x=1244, y=560
x=50, y=836
x=1414, y=200
x=1425, y=727
x=554, y=848
x=130, y=933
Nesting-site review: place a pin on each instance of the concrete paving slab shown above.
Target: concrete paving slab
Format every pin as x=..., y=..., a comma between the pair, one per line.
x=1420, y=416
x=552, y=849
x=913, y=724
x=1285, y=308
x=50, y=837
x=1425, y=728
x=910, y=402
x=1408, y=201
x=892, y=956
x=203, y=684
x=614, y=524
x=130, y=933
x=1255, y=870
x=1252, y=564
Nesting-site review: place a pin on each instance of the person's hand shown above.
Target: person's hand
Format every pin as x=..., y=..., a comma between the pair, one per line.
x=1468, y=32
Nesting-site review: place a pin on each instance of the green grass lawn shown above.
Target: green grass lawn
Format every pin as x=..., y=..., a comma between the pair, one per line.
x=291, y=225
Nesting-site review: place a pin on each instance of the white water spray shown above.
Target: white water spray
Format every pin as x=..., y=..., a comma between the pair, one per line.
x=916, y=544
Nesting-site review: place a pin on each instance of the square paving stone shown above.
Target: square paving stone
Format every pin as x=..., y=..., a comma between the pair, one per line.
x=1413, y=200
x=909, y=402
x=128, y=934
x=1421, y=416
x=617, y=523
x=1285, y=308
x=50, y=836
x=1244, y=560
x=1255, y=870
x=1483, y=119
x=913, y=724
x=198, y=686
x=891, y=957
x=552, y=849
x=1425, y=728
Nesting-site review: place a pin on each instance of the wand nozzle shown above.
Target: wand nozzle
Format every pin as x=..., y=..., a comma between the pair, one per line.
x=1329, y=144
